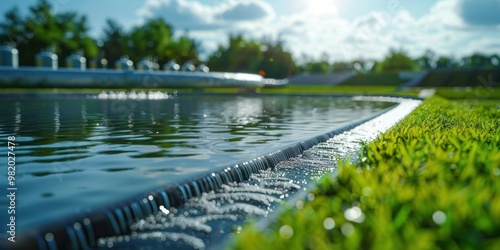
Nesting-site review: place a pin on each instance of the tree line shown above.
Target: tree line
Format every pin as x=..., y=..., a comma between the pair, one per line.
x=68, y=32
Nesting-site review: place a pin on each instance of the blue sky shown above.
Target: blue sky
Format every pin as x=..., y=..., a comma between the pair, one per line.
x=341, y=29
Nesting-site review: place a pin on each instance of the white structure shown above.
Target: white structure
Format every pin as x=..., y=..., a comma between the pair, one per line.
x=124, y=64
x=76, y=61
x=47, y=59
x=9, y=56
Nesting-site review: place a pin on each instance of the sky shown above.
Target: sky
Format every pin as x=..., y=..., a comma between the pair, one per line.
x=339, y=30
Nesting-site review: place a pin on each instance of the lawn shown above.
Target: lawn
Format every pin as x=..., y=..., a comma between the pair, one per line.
x=341, y=89
x=481, y=92
x=431, y=182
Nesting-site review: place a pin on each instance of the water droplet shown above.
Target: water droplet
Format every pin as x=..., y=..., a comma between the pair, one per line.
x=286, y=232
x=270, y=235
x=439, y=217
x=353, y=196
x=354, y=214
x=49, y=237
x=367, y=191
x=496, y=172
x=164, y=210
x=347, y=229
x=310, y=197
x=299, y=204
x=328, y=223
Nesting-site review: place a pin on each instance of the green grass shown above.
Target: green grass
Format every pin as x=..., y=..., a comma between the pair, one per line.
x=478, y=93
x=462, y=78
x=431, y=182
x=367, y=90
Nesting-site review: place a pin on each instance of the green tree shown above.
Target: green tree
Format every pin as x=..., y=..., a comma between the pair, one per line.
x=74, y=36
x=276, y=61
x=240, y=55
x=479, y=60
x=185, y=49
x=427, y=61
x=444, y=62
x=114, y=42
x=153, y=39
x=342, y=66
x=12, y=29
x=42, y=28
x=397, y=60
x=318, y=67
x=360, y=65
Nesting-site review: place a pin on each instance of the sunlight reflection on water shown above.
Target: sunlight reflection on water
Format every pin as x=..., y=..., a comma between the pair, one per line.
x=87, y=152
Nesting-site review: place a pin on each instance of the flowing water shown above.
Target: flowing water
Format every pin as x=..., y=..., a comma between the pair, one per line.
x=77, y=153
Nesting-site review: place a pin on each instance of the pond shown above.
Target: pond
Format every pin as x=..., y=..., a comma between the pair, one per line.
x=76, y=153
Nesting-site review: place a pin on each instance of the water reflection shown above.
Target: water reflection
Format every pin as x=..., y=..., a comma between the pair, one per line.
x=193, y=125
x=17, y=119
x=88, y=152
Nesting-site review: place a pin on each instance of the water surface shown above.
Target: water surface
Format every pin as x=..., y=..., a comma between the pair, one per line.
x=77, y=153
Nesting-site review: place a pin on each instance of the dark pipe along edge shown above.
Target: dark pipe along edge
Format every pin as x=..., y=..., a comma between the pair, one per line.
x=83, y=231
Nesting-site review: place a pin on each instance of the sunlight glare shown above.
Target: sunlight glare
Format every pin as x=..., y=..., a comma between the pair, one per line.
x=323, y=6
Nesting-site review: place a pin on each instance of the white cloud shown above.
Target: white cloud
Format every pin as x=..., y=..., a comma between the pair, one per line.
x=193, y=15
x=212, y=23
x=320, y=28
x=442, y=30
x=489, y=46
x=246, y=11
x=443, y=14
x=182, y=14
